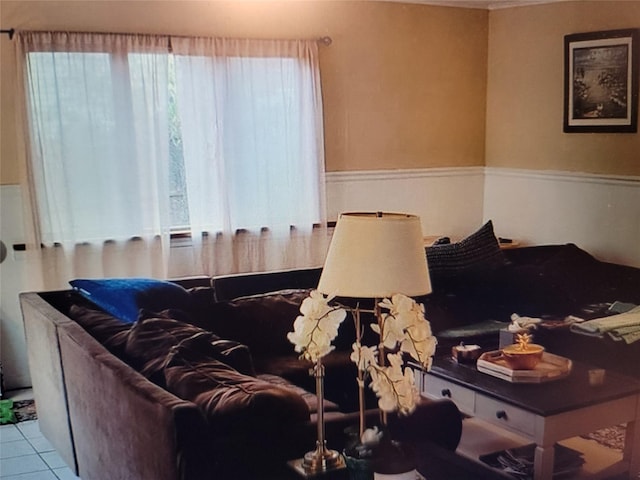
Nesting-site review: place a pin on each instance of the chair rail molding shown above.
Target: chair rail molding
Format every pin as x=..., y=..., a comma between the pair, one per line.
x=566, y=176
x=448, y=200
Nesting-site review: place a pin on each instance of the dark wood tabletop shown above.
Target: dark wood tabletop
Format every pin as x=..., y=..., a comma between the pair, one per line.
x=545, y=399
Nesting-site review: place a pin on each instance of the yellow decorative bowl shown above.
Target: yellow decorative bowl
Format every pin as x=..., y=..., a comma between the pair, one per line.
x=523, y=359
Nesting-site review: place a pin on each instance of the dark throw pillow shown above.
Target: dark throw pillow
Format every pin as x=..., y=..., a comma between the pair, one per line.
x=479, y=252
x=124, y=297
x=261, y=321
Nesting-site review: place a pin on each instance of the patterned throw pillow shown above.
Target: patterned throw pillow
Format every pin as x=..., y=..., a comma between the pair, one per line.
x=477, y=253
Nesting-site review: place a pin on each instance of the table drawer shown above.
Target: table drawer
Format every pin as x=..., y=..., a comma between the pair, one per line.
x=435, y=387
x=504, y=415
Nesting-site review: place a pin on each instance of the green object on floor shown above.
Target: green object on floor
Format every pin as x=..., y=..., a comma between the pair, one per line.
x=6, y=412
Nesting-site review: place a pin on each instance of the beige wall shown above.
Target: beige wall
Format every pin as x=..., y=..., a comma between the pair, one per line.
x=404, y=84
x=525, y=90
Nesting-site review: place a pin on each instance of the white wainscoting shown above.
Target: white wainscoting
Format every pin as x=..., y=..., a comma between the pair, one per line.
x=13, y=280
x=599, y=213
x=448, y=200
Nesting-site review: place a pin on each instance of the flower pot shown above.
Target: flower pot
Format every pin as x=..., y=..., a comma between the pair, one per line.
x=392, y=460
x=358, y=468
x=357, y=456
x=411, y=475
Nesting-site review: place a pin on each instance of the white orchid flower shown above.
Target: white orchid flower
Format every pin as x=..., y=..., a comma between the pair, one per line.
x=394, y=386
x=363, y=356
x=406, y=325
x=404, y=329
x=315, y=329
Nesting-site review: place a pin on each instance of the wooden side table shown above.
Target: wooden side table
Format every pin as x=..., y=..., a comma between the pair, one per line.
x=544, y=413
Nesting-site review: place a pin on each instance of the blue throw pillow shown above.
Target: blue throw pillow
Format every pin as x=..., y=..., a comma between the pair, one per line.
x=124, y=297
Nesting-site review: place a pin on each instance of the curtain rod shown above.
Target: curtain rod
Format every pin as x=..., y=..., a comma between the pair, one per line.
x=326, y=40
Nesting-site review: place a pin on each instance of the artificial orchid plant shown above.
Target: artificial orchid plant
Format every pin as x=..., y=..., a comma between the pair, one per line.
x=402, y=329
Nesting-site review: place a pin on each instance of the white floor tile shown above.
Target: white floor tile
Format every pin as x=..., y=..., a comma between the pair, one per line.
x=9, y=433
x=44, y=475
x=30, y=429
x=23, y=464
x=65, y=474
x=27, y=455
x=41, y=444
x=18, y=448
x=53, y=459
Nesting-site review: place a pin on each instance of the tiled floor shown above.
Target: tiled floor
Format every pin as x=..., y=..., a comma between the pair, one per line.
x=26, y=455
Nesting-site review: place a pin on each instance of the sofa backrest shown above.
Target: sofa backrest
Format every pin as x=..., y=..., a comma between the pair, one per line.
x=228, y=287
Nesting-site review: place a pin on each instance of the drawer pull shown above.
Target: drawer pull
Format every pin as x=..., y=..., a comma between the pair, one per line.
x=446, y=392
x=501, y=414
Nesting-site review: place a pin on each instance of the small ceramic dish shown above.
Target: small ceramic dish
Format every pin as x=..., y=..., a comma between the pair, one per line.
x=520, y=358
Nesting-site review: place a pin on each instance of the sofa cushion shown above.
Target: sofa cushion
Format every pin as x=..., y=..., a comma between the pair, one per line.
x=108, y=330
x=152, y=337
x=230, y=400
x=201, y=303
x=124, y=297
x=340, y=384
x=477, y=253
x=262, y=322
x=309, y=398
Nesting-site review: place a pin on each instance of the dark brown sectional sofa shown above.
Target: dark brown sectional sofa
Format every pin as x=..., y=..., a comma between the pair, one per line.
x=214, y=390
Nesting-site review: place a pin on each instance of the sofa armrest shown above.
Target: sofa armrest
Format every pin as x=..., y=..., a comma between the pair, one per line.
x=123, y=425
x=41, y=323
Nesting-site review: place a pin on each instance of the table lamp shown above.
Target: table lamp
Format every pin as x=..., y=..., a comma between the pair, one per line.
x=374, y=255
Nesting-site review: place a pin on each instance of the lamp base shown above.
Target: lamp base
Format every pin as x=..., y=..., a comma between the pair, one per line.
x=317, y=462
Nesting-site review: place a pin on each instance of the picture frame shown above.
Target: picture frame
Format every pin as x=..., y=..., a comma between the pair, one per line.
x=601, y=81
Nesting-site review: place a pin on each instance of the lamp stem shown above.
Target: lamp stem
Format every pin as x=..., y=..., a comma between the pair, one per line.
x=321, y=459
x=320, y=395
x=358, y=325
x=382, y=361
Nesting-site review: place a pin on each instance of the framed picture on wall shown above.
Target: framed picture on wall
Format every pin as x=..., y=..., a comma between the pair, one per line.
x=601, y=81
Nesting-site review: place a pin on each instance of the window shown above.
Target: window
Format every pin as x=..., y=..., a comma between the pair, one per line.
x=128, y=139
x=179, y=208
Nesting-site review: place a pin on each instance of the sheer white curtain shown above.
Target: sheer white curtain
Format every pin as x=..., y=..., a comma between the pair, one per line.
x=251, y=119
x=97, y=122
x=105, y=150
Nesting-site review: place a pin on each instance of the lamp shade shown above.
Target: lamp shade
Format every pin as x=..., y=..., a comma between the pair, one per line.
x=376, y=255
